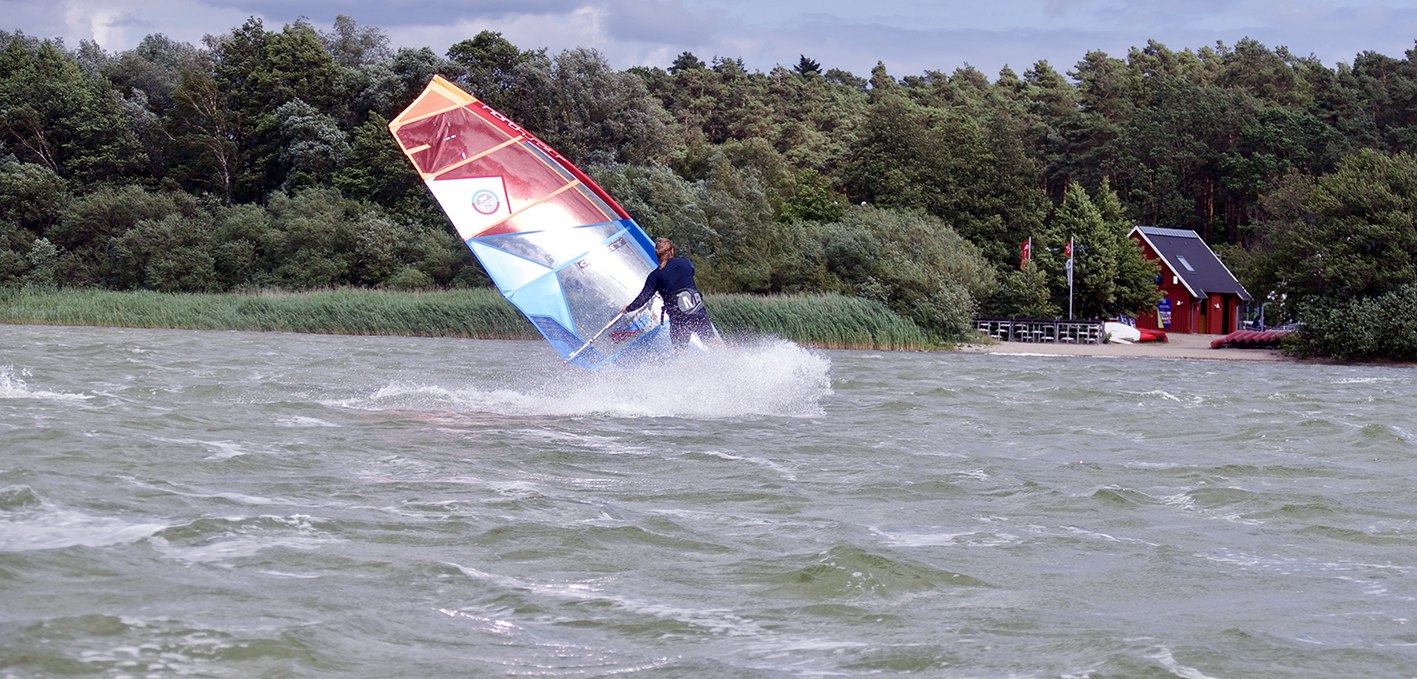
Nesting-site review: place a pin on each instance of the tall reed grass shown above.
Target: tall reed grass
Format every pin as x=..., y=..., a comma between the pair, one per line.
x=480, y=313
x=827, y=321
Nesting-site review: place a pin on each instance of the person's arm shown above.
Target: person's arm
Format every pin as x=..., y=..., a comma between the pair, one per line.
x=645, y=294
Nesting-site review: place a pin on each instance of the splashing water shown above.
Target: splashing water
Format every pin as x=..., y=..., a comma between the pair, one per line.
x=13, y=386
x=770, y=377
x=773, y=377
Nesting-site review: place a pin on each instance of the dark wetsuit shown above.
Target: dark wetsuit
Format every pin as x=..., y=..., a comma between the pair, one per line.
x=676, y=274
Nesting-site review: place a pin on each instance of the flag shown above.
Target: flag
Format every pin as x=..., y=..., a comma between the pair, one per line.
x=1068, y=265
x=1027, y=253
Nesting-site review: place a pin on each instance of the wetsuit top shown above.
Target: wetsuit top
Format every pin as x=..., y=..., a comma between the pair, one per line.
x=675, y=275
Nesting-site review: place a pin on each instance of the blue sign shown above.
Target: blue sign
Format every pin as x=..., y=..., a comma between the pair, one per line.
x=1163, y=312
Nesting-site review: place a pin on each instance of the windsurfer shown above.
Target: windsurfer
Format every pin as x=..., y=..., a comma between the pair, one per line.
x=673, y=281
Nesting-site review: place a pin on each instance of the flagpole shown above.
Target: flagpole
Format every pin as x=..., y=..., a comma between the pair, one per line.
x=1070, y=278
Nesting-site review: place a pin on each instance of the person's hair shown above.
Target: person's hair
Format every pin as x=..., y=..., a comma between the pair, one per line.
x=663, y=249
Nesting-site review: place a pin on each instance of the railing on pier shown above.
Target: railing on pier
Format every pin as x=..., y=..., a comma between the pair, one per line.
x=1041, y=330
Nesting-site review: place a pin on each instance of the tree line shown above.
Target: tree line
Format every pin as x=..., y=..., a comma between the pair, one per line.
x=261, y=158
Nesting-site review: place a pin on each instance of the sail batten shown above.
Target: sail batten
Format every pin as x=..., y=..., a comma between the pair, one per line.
x=556, y=244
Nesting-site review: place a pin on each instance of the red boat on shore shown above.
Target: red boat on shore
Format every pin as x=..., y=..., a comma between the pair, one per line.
x=1149, y=335
x=1250, y=339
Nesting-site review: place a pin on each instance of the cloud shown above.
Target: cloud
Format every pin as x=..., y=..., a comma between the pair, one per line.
x=627, y=32
x=106, y=26
x=910, y=36
x=662, y=23
x=117, y=24
x=397, y=12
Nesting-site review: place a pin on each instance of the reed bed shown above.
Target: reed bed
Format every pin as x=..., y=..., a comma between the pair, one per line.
x=479, y=314
x=827, y=321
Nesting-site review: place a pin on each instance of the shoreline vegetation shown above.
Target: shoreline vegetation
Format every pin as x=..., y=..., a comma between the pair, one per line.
x=261, y=159
x=821, y=320
x=818, y=321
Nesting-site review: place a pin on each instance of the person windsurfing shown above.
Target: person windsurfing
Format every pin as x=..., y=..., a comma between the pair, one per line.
x=673, y=281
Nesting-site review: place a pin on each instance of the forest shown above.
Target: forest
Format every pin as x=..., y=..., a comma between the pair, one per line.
x=261, y=160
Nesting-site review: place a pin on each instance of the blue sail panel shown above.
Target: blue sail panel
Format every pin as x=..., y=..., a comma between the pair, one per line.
x=572, y=282
x=509, y=271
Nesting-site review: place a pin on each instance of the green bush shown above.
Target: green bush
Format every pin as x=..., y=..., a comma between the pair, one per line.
x=911, y=262
x=1368, y=329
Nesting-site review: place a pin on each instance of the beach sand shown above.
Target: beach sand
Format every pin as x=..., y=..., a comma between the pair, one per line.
x=1178, y=345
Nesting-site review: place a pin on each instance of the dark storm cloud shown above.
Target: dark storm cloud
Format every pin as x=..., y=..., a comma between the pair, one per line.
x=667, y=23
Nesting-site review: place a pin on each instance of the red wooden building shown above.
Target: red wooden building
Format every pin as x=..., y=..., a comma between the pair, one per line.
x=1199, y=295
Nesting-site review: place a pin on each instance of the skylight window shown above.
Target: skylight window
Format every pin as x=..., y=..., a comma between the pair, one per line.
x=1186, y=264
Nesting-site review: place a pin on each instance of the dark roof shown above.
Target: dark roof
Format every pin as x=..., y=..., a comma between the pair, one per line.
x=1192, y=261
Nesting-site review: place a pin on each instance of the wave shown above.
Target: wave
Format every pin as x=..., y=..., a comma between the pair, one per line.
x=29, y=523
x=14, y=386
x=225, y=539
x=607, y=607
x=847, y=571
x=156, y=645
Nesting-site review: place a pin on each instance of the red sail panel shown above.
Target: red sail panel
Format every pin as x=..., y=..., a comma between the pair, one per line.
x=449, y=134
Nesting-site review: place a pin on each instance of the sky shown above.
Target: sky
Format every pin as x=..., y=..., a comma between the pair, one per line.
x=909, y=36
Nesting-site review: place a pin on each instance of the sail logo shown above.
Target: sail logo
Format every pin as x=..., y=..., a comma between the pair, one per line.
x=474, y=204
x=486, y=202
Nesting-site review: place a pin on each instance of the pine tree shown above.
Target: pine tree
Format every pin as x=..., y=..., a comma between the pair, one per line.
x=805, y=66
x=1136, y=275
x=1078, y=221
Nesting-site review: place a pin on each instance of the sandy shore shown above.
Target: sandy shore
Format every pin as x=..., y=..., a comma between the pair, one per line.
x=1178, y=346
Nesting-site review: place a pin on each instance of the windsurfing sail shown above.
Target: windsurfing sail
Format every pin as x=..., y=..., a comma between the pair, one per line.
x=556, y=245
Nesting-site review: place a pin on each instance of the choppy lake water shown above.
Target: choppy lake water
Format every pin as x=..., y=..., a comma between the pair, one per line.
x=227, y=504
